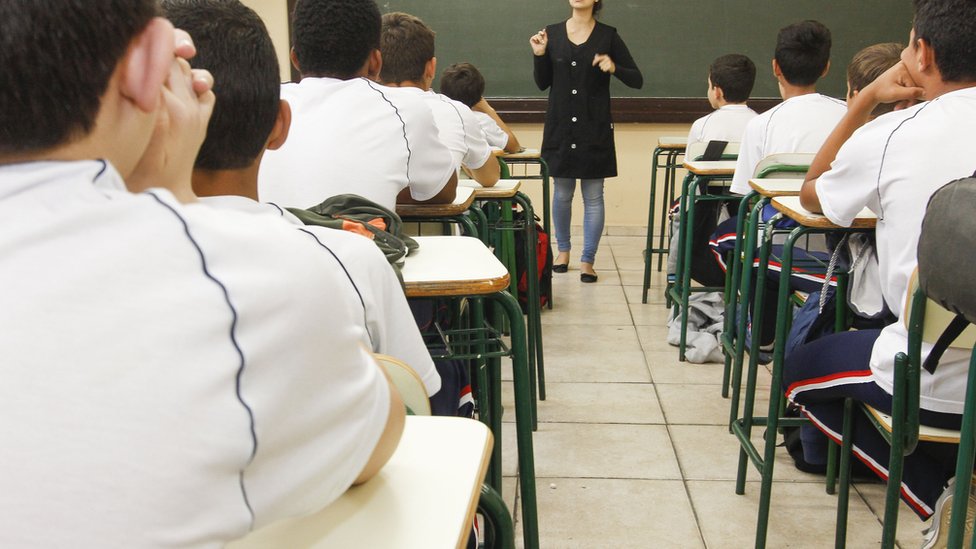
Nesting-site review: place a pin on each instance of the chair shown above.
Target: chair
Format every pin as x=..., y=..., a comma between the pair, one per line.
x=925, y=321
x=499, y=528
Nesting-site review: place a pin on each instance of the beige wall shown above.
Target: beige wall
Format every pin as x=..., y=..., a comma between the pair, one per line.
x=626, y=195
x=275, y=16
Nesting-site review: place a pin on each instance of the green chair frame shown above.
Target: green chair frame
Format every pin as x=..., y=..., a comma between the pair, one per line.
x=670, y=165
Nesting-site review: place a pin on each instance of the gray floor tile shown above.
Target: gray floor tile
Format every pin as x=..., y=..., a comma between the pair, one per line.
x=631, y=403
x=580, y=450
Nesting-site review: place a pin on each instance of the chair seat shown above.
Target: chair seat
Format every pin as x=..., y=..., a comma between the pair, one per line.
x=925, y=433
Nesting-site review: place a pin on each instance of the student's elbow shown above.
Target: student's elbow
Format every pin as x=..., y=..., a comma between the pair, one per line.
x=448, y=191
x=487, y=175
x=389, y=440
x=513, y=146
x=809, y=198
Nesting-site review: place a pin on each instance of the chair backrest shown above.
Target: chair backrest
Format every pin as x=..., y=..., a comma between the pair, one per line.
x=408, y=383
x=933, y=317
x=696, y=149
x=784, y=165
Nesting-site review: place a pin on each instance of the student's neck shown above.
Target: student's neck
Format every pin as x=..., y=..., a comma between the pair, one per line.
x=789, y=91
x=407, y=84
x=243, y=182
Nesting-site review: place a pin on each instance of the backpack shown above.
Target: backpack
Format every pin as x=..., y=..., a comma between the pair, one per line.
x=544, y=255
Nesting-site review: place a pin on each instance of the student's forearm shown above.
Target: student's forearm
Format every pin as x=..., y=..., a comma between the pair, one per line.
x=858, y=114
x=488, y=173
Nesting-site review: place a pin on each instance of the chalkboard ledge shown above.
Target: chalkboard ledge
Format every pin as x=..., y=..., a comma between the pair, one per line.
x=645, y=110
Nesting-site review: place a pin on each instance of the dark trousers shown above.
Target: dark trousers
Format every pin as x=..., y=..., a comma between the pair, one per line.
x=819, y=375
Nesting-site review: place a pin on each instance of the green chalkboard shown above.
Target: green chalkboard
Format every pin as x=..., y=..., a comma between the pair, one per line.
x=673, y=41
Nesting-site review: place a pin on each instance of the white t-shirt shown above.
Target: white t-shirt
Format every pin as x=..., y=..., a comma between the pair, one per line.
x=354, y=136
x=496, y=136
x=798, y=125
x=892, y=166
x=458, y=128
x=390, y=325
x=727, y=123
x=172, y=376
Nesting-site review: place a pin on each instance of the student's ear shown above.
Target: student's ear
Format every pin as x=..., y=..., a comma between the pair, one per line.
x=374, y=64
x=777, y=72
x=294, y=60
x=430, y=70
x=279, y=133
x=826, y=69
x=147, y=63
x=924, y=55
x=719, y=94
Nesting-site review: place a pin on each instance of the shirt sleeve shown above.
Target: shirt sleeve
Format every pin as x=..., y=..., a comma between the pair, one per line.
x=430, y=163
x=497, y=138
x=479, y=152
x=851, y=184
x=626, y=71
x=750, y=153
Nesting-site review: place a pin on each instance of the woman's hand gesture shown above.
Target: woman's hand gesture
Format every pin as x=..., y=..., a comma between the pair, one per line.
x=539, y=41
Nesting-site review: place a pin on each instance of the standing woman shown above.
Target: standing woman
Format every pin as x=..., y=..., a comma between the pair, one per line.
x=575, y=59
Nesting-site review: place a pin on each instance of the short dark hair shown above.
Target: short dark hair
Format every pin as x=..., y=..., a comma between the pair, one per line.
x=735, y=74
x=803, y=51
x=949, y=27
x=233, y=44
x=407, y=44
x=463, y=82
x=56, y=60
x=335, y=37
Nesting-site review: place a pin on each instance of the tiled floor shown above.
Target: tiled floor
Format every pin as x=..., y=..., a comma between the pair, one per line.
x=632, y=448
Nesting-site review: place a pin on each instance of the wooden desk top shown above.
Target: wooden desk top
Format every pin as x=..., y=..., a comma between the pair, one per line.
x=525, y=154
x=712, y=167
x=672, y=142
x=790, y=205
x=424, y=497
x=505, y=188
x=462, y=201
x=451, y=266
x=772, y=187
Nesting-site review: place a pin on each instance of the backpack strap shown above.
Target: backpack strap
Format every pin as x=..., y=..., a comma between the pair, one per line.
x=951, y=332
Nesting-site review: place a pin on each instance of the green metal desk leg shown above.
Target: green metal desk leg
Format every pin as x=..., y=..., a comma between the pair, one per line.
x=489, y=399
x=964, y=463
x=687, y=242
x=751, y=230
x=534, y=307
x=649, y=242
x=523, y=412
x=499, y=529
x=847, y=432
x=670, y=183
x=675, y=291
x=481, y=220
x=731, y=298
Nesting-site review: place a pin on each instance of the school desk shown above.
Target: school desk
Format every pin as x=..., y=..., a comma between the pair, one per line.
x=703, y=176
x=671, y=148
x=463, y=267
x=424, y=497
x=809, y=223
x=452, y=212
x=528, y=157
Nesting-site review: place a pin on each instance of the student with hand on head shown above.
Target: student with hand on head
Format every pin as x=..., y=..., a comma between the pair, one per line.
x=407, y=45
x=463, y=82
x=154, y=354
x=730, y=81
x=235, y=47
x=892, y=165
x=348, y=133
x=804, y=119
x=867, y=65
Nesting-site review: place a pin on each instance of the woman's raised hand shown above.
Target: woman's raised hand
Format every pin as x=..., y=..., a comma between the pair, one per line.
x=604, y=62
x=539, y=41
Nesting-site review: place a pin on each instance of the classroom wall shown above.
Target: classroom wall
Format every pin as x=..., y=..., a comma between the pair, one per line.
x=626, y=195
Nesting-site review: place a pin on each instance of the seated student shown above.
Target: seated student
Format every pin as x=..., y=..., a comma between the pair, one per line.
x=407, y=45
x=348, y=133
x=730, y=81
x=892, y=165
x=867, y=65
x=463, y=82
x=234, y=45
x=804, y=119
x=154, y=354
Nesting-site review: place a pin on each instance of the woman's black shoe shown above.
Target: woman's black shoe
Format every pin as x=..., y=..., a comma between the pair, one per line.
x=587, y=277
x=560, y=267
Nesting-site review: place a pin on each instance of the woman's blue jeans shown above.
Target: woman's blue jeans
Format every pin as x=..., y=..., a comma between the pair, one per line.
x=593, y=214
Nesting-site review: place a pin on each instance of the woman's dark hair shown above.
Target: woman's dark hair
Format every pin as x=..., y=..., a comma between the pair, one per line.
x=949, y=27
x=803, y=51
x=233, y=44
x=56, y=59
x=597, y=6
x=334, y=37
